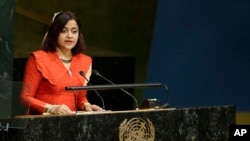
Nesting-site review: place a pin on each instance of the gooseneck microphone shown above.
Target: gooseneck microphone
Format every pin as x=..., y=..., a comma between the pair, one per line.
x=95, y=72
x=83, y=74
x=166, y=105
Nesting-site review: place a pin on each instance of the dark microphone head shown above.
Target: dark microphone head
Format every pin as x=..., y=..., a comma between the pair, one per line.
x=95, y=72
x=82, y=73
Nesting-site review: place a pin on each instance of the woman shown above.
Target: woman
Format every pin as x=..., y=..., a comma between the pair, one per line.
x=57, y=65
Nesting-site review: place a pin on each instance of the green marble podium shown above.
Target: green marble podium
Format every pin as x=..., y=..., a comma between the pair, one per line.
x=184, y=124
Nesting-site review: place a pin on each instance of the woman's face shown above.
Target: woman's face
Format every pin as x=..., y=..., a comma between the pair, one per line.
x=68, y=37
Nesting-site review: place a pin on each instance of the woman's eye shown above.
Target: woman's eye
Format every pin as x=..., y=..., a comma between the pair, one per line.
x=63, y=30
x=74, y=31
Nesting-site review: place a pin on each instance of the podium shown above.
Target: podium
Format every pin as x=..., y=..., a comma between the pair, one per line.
x=152, y=124
x=198, y=123
x=10, y=106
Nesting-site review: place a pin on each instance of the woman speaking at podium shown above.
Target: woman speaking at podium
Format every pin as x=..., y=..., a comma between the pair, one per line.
x=57, y=65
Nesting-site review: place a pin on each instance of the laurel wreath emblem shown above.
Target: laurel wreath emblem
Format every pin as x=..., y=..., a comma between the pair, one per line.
x=136, y=129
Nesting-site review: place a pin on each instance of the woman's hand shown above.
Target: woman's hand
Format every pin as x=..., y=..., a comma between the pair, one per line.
x=59, y=109
x=92, y=107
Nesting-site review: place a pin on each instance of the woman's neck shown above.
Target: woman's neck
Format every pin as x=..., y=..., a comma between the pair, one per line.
x=64, y=54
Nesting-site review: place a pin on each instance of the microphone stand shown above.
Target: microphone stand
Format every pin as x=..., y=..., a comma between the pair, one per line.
x=135, y=100
x=119, y=86
x=88, y=82
x=111, y=86
x=75, y=97
x=166, y=105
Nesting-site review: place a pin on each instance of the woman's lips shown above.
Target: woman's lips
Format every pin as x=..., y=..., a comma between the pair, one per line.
x=68, y=42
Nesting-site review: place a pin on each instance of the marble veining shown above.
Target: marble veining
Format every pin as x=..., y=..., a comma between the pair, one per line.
x=185, y=124
x=6, y=38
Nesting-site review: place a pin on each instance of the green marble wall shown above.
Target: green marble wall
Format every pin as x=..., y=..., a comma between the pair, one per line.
x=7, y=13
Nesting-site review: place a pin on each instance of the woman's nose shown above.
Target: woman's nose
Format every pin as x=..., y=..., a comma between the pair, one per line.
x=69, y=34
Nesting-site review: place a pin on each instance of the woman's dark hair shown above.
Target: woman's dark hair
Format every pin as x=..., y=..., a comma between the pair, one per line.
x=59, y=21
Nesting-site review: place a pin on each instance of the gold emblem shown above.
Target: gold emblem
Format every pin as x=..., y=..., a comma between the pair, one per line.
x=136, y=129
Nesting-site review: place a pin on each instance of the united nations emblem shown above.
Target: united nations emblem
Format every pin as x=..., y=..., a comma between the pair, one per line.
x=136, y=129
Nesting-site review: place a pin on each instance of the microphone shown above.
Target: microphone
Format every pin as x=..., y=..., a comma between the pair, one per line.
x=95, y=72
x=166, y=105
x=83, y=74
